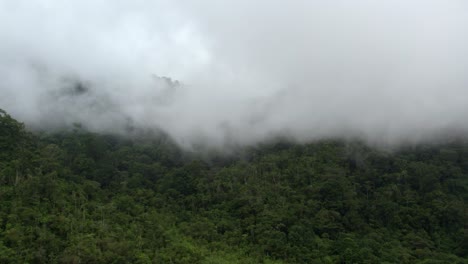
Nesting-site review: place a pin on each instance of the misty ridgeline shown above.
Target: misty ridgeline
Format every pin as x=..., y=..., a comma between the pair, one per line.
x=390, y=74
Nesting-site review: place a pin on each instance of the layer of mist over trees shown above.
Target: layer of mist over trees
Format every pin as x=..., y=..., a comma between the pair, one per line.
x=80, y=197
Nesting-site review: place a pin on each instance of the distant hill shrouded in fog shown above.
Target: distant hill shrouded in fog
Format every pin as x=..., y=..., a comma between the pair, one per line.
x=389, y=73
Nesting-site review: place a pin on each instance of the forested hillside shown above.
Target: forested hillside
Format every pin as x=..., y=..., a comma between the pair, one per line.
x=79, y=197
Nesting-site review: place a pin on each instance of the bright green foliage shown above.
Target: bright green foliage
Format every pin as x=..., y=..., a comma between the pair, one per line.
x=77, y=197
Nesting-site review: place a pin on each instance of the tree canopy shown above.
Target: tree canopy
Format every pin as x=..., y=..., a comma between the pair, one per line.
x=80, y=197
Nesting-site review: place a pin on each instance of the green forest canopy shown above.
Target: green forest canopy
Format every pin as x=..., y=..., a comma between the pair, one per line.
x=80, y=197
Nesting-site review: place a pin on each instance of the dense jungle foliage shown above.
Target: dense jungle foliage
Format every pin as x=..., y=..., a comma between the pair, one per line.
x=79, y=197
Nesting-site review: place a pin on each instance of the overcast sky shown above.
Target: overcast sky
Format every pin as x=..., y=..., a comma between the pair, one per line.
x=385, y=71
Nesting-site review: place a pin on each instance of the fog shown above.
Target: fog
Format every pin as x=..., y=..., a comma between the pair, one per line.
x=239, y=72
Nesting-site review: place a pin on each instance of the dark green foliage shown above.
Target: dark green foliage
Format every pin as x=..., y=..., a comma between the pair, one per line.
x=78, y=197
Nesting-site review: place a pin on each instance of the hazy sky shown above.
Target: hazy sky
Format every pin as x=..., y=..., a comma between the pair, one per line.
x=387, y=71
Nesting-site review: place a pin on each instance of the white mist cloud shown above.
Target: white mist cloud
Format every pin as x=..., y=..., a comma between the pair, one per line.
x=385, y=71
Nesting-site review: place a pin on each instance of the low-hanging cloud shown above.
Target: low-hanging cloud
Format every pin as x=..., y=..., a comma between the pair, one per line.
x=385, y=71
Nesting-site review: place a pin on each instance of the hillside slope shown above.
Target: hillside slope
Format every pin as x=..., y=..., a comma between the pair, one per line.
x=78, y=197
